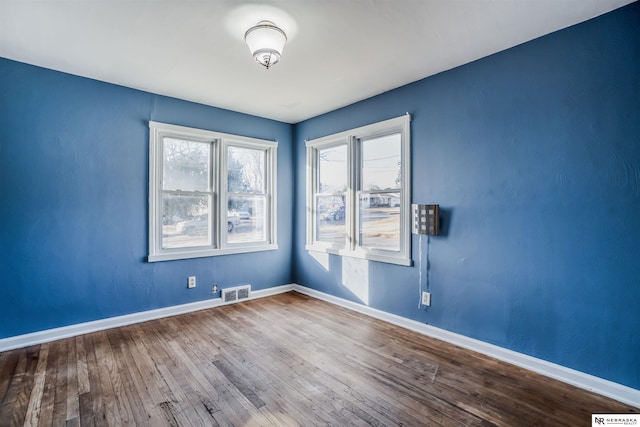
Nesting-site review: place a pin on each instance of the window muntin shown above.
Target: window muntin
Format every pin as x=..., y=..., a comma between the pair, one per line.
x=197, y=207
x=374, y=201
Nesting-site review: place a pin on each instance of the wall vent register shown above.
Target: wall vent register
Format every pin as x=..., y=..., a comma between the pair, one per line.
x=237, y=293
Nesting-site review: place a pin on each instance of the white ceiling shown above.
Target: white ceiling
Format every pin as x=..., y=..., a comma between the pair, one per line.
x=339, y=51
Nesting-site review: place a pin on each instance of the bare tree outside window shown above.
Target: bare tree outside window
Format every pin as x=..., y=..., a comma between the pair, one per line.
x=186, y=193
x=246, y=198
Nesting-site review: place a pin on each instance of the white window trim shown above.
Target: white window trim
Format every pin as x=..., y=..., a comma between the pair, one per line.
x=352, y=248
x=158, y=131
x=312, y=183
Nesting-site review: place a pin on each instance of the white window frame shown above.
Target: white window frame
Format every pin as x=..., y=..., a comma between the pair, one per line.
x=218, y=217
x=352, y=138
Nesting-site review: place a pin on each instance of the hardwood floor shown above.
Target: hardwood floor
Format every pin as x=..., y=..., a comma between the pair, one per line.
x=282, y=360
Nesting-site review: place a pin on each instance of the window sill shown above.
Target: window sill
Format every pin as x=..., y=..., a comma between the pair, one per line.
x=369, y=256
x=208, y=253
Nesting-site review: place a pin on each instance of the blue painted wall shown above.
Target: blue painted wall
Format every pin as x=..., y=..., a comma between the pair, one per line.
x=74, y=165
x=534, y=155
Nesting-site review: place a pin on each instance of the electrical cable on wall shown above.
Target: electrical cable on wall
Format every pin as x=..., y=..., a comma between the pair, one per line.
x=428, y=266
x=427, y=286
x=425, y=222
x=420, y=267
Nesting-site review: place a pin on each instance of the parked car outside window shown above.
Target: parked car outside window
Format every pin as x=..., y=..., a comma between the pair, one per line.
x=200, y=224
x=334, y=214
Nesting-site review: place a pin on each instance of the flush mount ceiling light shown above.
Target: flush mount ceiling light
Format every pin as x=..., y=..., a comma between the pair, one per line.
x=265, y=42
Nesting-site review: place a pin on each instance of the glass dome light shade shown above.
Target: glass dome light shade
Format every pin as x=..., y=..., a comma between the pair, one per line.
x=266, y=42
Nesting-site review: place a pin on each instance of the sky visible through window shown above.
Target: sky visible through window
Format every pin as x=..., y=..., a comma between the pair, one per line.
x=381, y=163
x=380, y=168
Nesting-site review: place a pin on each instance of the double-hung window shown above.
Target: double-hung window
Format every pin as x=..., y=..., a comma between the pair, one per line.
x=209, y=193
x=358, y=187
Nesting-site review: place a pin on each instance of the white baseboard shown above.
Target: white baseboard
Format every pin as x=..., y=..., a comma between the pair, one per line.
x=598, y=385
x=40, y=337
x=585, y=381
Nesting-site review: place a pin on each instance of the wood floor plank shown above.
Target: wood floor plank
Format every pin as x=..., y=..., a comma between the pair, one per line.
x=132, y=397
x=111, y=346
x=73, y=402
x=35, y=398
x=182, y=409
x=145, y=410
x=8, y=363
x=97, y=413
x=82, y=370
x=49, y=392
x=22, y=397
x=143, y=358
x=87, y=417
x=160, y=395
x=287, y=360
x=9, y=409
x=110, y=392
x=201, y=385
x=60, y=395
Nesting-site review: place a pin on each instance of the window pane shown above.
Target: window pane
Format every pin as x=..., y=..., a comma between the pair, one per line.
x=330, y=219
x=245, y=170
x=332, y=169
x=380, y=221
x=246, y=219
x=381, y=163
x=185, y=221
x=186, y=165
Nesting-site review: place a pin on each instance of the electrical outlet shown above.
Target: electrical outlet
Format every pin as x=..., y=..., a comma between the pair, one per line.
x=214, y=289
x=426, y=299
x=192, y=282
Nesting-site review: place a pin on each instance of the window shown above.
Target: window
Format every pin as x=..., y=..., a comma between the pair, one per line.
x=209, y=193
x=358, y=187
